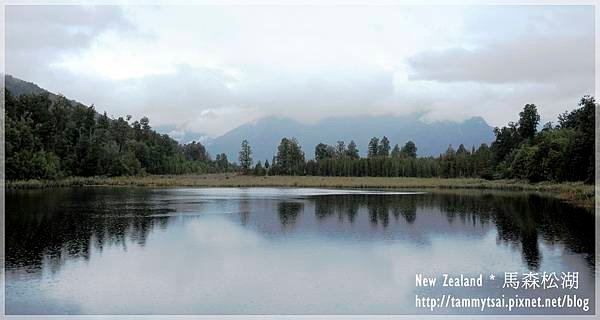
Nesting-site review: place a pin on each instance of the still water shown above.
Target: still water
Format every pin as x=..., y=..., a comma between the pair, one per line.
x=282, y=251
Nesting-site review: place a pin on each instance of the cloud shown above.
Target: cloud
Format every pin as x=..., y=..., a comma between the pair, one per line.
x=513, y=55
x=309, y=94
x=191, y=99
x=544, y=59
x=208, y=69
x=37, y=35
x=534, y=44
x=211, y=101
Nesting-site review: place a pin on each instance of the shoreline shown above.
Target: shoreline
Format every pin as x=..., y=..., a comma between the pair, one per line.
x=577, y=193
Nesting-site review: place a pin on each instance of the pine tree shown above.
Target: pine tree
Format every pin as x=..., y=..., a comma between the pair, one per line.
x=352, y=151
x=373, y=147
x=409, y=150
x=383, y=150
x=245, y=157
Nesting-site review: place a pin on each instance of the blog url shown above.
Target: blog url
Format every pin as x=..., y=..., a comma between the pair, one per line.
x=509, y=303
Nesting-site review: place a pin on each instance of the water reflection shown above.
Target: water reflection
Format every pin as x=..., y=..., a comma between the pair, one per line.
x=68, y=222
x=65, y=224
x=213, y=227
x=519, y=219
x=288, y=213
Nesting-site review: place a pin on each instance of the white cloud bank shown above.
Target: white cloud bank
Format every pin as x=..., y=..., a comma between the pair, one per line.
x=208, y=69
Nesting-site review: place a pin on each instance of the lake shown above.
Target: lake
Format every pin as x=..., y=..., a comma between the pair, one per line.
x=101, y=250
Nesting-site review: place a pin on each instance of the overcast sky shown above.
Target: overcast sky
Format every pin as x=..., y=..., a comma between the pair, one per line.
x=208, y=69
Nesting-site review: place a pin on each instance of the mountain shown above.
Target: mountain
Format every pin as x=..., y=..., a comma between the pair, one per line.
x=265, y=134
x=18, y=87
x=431, y=138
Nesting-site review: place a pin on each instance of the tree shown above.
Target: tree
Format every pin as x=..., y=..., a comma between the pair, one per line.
x=581, y=149
x=267, y=166
x=448, y=163
x=296, y=158
x=290, y=158
x=221, y=162
x=323, y=151
x=528, y=121
x=383, y=149
x=553, y=158
x=259, y=170
x=507, y=139
x=524, y=164
x=373, y=149
x=409, y=150
x=52, y=138
x=482, y=158
x=352, y=151
x=245, y=157
x=120, y=131
x=193, y=151
x=396, y=152
x=340, y=149
x=48, y=138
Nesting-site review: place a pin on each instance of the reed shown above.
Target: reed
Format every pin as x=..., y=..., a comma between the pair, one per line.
x=575, y=192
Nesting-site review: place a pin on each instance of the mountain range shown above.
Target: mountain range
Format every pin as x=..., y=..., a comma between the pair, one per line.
x=431, y=138
x=264, y=135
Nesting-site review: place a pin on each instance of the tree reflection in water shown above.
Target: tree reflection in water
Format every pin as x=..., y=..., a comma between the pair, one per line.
x=52, y=226
x=288, y=213
x=519, y=218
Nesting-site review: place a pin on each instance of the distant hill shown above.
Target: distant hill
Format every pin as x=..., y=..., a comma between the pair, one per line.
x=18, y=87
x=265, y=134
x=430, y=138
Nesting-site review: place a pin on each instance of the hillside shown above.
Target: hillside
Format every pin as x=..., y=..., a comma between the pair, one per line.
x=49, y=137
x=18, y=87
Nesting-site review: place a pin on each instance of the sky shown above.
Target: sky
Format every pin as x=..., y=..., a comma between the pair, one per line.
x=208, y=69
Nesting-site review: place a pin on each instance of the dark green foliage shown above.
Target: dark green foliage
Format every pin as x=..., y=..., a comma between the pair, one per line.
x=528, y=121
x=352, y=151
x=396, y=152
x=245, y=157
x=259, y=170
x=222, y=163
x=195, y=151
x=507, y=139
x=482, y=162
x=51, y=138
x=323, y=151
x=562, y=153
x=409, y=150
x=289, y=160
x=383, y=149
x=373, y=147
x=581, y=150
x=340, y=149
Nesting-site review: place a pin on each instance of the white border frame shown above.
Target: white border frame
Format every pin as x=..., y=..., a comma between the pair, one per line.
x=3, y=3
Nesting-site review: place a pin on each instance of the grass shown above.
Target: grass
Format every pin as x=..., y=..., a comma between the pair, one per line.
x=574, y=192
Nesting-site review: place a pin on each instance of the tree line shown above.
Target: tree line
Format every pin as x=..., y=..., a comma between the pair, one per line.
x=558, y=152
x=49, y=138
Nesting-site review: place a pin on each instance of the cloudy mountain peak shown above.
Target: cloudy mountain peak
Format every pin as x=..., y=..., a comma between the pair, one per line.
x=431, y=138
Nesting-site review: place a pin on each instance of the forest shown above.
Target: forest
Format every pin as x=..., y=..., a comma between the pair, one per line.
x=48, y=139
x=53, y=138
x=558, y=152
